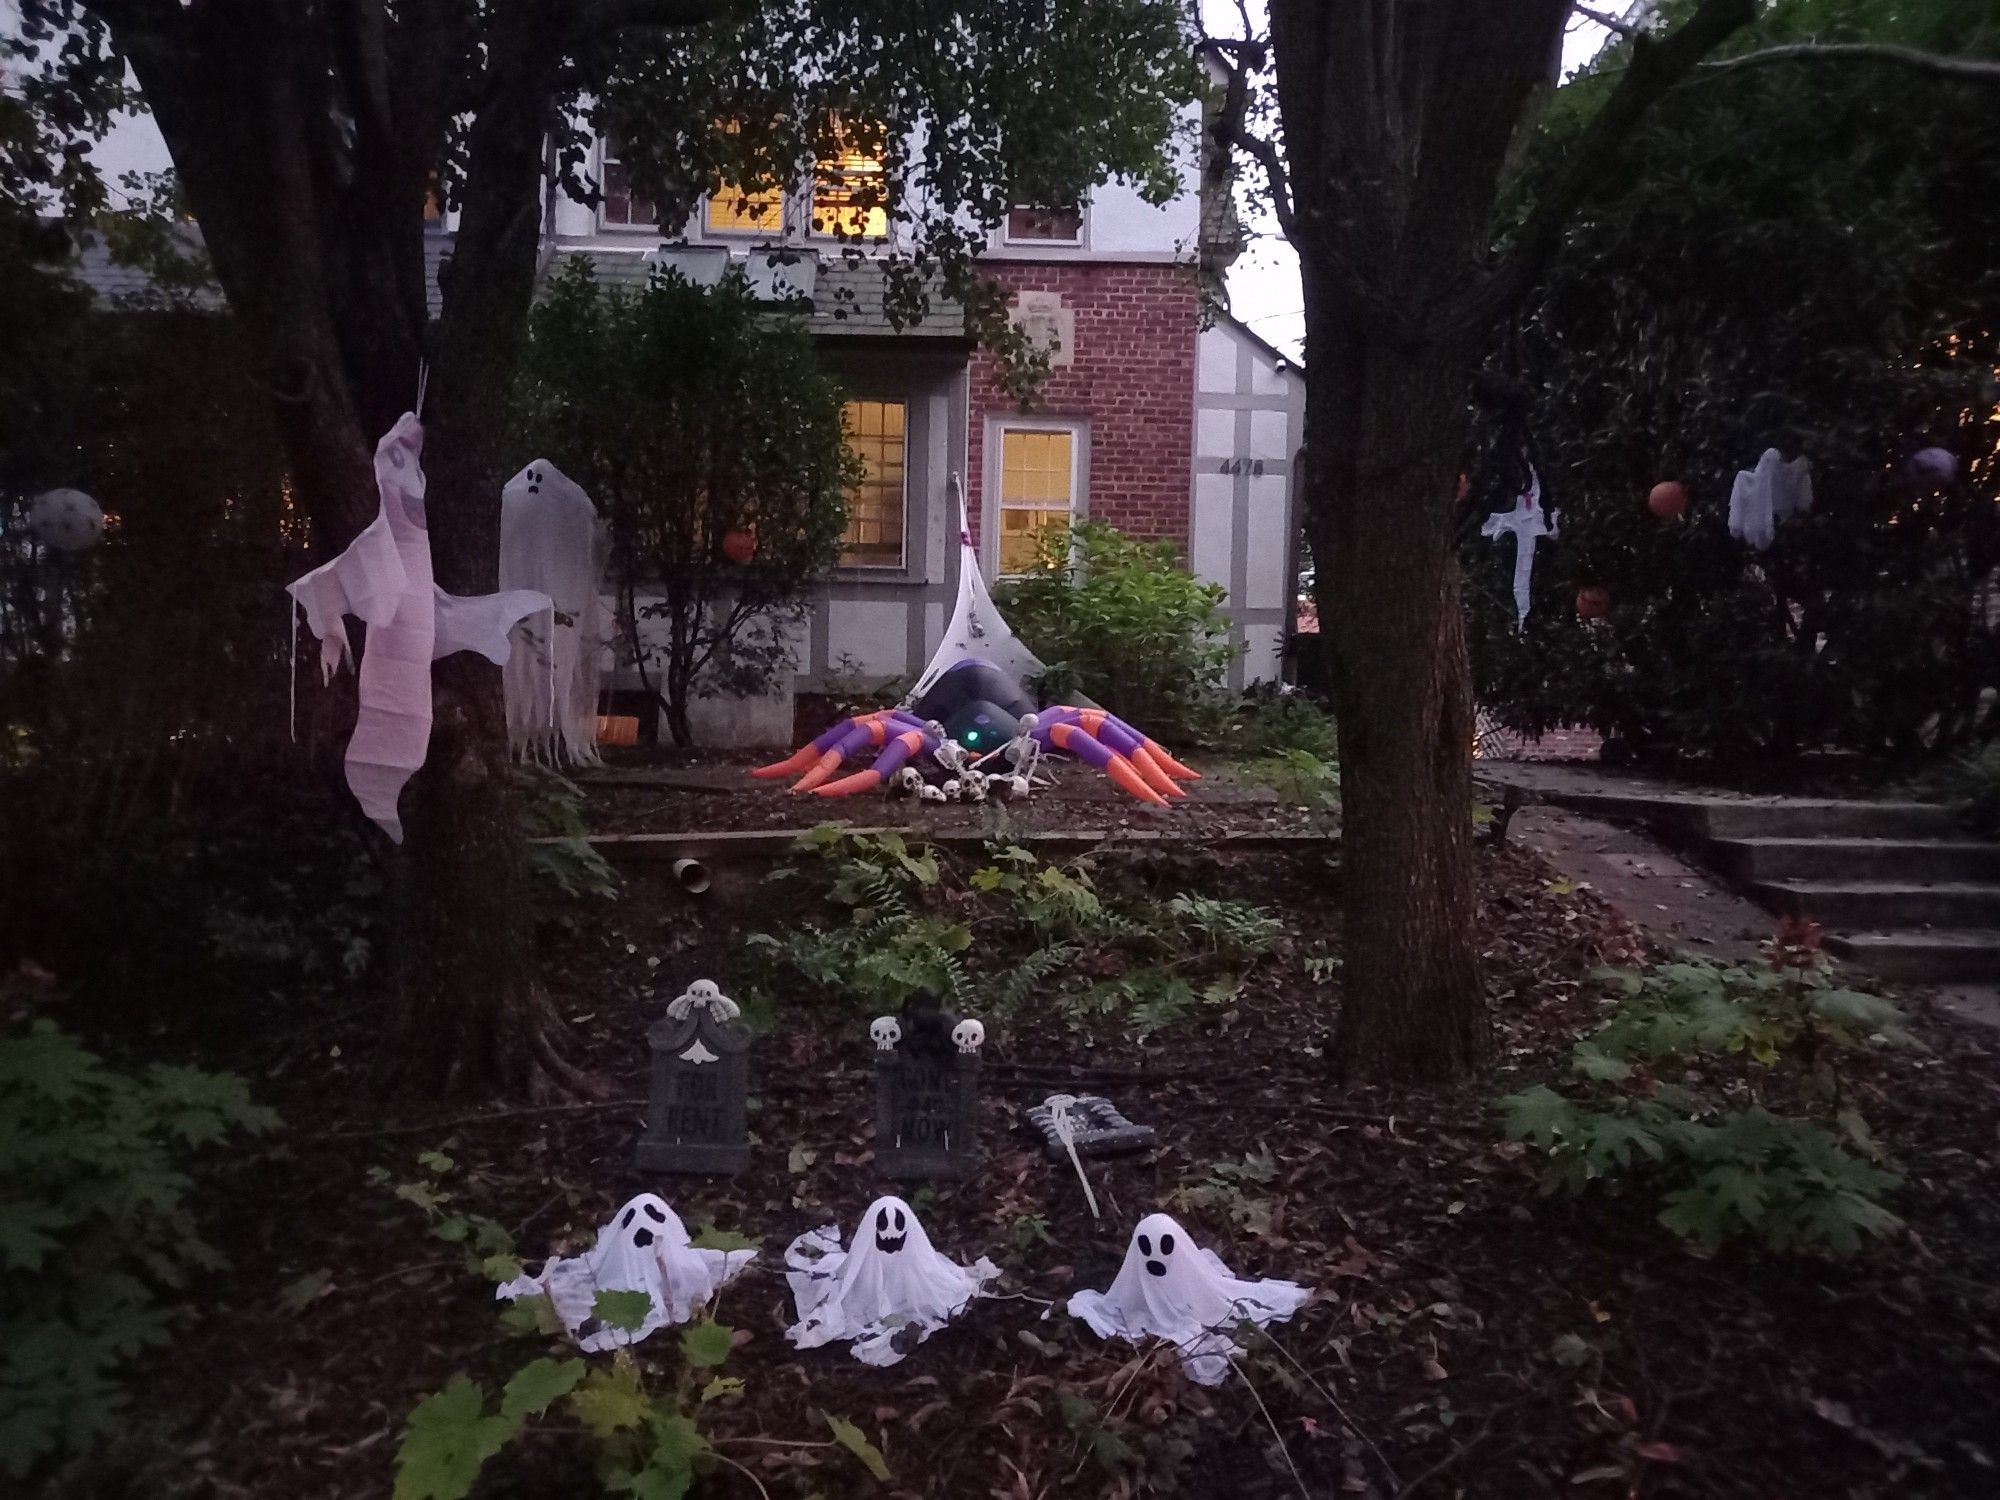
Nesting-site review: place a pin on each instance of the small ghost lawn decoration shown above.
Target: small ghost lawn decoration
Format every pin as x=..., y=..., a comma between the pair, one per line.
x=644, y=1249
x=887, y=1291
x=1529, y=523
x=1170, y=1288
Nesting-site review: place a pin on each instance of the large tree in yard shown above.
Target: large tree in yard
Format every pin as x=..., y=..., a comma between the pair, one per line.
x=1382, y=131
x=310, y=135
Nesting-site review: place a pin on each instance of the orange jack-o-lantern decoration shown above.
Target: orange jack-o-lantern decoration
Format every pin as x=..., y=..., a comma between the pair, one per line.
x=1593, y=602
x=1669, y=500
x=740, y=546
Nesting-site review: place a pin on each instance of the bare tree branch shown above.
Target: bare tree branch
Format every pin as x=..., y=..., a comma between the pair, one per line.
x=1939, y=64
x=1232, y=129
x=1658, y=63
x=1609, y=22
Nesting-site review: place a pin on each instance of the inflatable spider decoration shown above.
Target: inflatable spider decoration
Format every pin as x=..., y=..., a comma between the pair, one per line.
x=972, y=715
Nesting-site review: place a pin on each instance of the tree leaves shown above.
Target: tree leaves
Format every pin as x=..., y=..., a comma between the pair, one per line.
x=625, y=1311
x=706, y=1345
x=537, y=1384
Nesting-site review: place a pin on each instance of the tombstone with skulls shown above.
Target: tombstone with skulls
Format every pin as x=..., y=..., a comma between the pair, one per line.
x=697, y=1118
x=926, y=1090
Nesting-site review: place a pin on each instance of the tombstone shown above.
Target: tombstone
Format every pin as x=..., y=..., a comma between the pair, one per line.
x=926, y=1091
x=696, y=1119
x=1098, y=1129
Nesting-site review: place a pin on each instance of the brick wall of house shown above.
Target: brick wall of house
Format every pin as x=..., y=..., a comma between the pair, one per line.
x=1131, y=374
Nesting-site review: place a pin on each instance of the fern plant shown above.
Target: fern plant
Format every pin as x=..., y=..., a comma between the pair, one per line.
x=98, y=1241
x=1644, y=1102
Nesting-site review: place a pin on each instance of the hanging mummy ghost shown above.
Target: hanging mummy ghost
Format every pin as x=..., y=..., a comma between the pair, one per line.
x=1765, y=495
x=1170, y=1288
x=384, y=578
x=1529, y=523
x=644, y=1249
x=887, y=1291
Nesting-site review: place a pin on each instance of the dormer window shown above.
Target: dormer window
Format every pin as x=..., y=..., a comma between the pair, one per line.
x=1044, y=226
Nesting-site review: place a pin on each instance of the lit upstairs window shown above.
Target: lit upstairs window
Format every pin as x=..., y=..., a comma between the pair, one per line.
x=732, y=210
x=850, y=191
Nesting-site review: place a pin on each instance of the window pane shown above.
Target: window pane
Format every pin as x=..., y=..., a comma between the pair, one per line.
x=1036, y=498
x=621, y=204
x=875, y=432
x=1064, y=225
x=732, y=210
x=849, y=192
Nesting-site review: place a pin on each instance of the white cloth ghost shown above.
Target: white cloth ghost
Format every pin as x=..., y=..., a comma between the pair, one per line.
x=1170, y=1288
x=888, y=1291
x=553, y=541
x=644, y=1249
x=1765, y=495
x=384, y=579
x=1529, y=523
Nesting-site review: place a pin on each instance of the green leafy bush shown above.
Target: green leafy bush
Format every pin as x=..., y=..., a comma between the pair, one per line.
x=1276, y=723
x=1970, y=783
x=1126, y=624
x=1301, y=777
x=1652, y=1097
x=96, y=1236
x=560, y=855
x=1045, y=932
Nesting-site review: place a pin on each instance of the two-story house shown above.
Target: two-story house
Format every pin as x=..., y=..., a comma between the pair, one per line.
x=1162, y=415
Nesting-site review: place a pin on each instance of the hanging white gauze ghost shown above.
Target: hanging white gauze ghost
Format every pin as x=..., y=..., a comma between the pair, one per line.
x=552, y=540
x=384, y=579
x=644, y=1249
x=888, y=1291
x=1170, y=1288
x=1765, y=495
x=1529, y=523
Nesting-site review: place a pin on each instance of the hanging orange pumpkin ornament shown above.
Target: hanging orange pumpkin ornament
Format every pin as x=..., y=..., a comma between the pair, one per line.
x=740, y=546
x=1593, y=602
x=1669, y=500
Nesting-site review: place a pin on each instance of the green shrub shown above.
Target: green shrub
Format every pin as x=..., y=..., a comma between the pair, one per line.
x=1651, y=1098
x=96, y=1237
x=1970, y=783
x=1126, y=624
x=560, y=855
x=1277, y=722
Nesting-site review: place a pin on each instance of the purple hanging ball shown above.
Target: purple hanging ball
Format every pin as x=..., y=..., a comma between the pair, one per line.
x=1934, y=465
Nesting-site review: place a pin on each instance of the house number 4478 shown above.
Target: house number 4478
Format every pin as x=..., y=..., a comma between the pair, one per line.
x=1241, y=466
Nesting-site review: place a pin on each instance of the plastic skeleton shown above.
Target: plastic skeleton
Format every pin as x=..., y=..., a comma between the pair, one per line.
x=971, y=705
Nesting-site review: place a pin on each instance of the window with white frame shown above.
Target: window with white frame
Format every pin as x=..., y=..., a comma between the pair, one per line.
x=850, y=188
x=877, y=434
x=1027, y=225
x=1039, y=474
x=622, y=207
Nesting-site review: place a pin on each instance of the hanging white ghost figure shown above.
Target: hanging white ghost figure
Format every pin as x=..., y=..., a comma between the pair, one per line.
x=644, y=1249
x=1765, y=495
x=553, y=541
x=1170, y=1288
x=888, y=1291
x=384, y=578
x=1529, y=523
x=65, y=520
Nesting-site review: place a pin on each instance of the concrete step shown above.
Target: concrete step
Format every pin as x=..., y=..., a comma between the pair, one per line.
x=1850, y=859
x=1819, y=817
x=1936, y=956
x=1864, y=904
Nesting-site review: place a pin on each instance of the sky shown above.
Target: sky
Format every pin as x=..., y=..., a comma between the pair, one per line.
x=1264, y=282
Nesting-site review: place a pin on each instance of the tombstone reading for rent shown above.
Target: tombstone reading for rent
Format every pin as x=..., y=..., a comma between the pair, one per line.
x=696, y=1120
x=926, y=1091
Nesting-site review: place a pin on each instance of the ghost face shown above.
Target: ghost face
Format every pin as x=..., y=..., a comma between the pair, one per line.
x=1161, y=1242
x=892, y=1228
x=645, y=1220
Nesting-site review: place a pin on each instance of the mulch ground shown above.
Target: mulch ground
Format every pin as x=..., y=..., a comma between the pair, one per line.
x=1470, y=1336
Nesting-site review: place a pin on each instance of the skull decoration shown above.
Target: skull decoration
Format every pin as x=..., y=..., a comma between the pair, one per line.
x=908, y=783
x=885, y=1032
x=704, y=995
x=970, y=1035
x=973, y=784
x=952, y=789
x=929, y=793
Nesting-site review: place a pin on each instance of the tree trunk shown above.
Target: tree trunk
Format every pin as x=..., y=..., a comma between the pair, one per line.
x=1389, y=427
